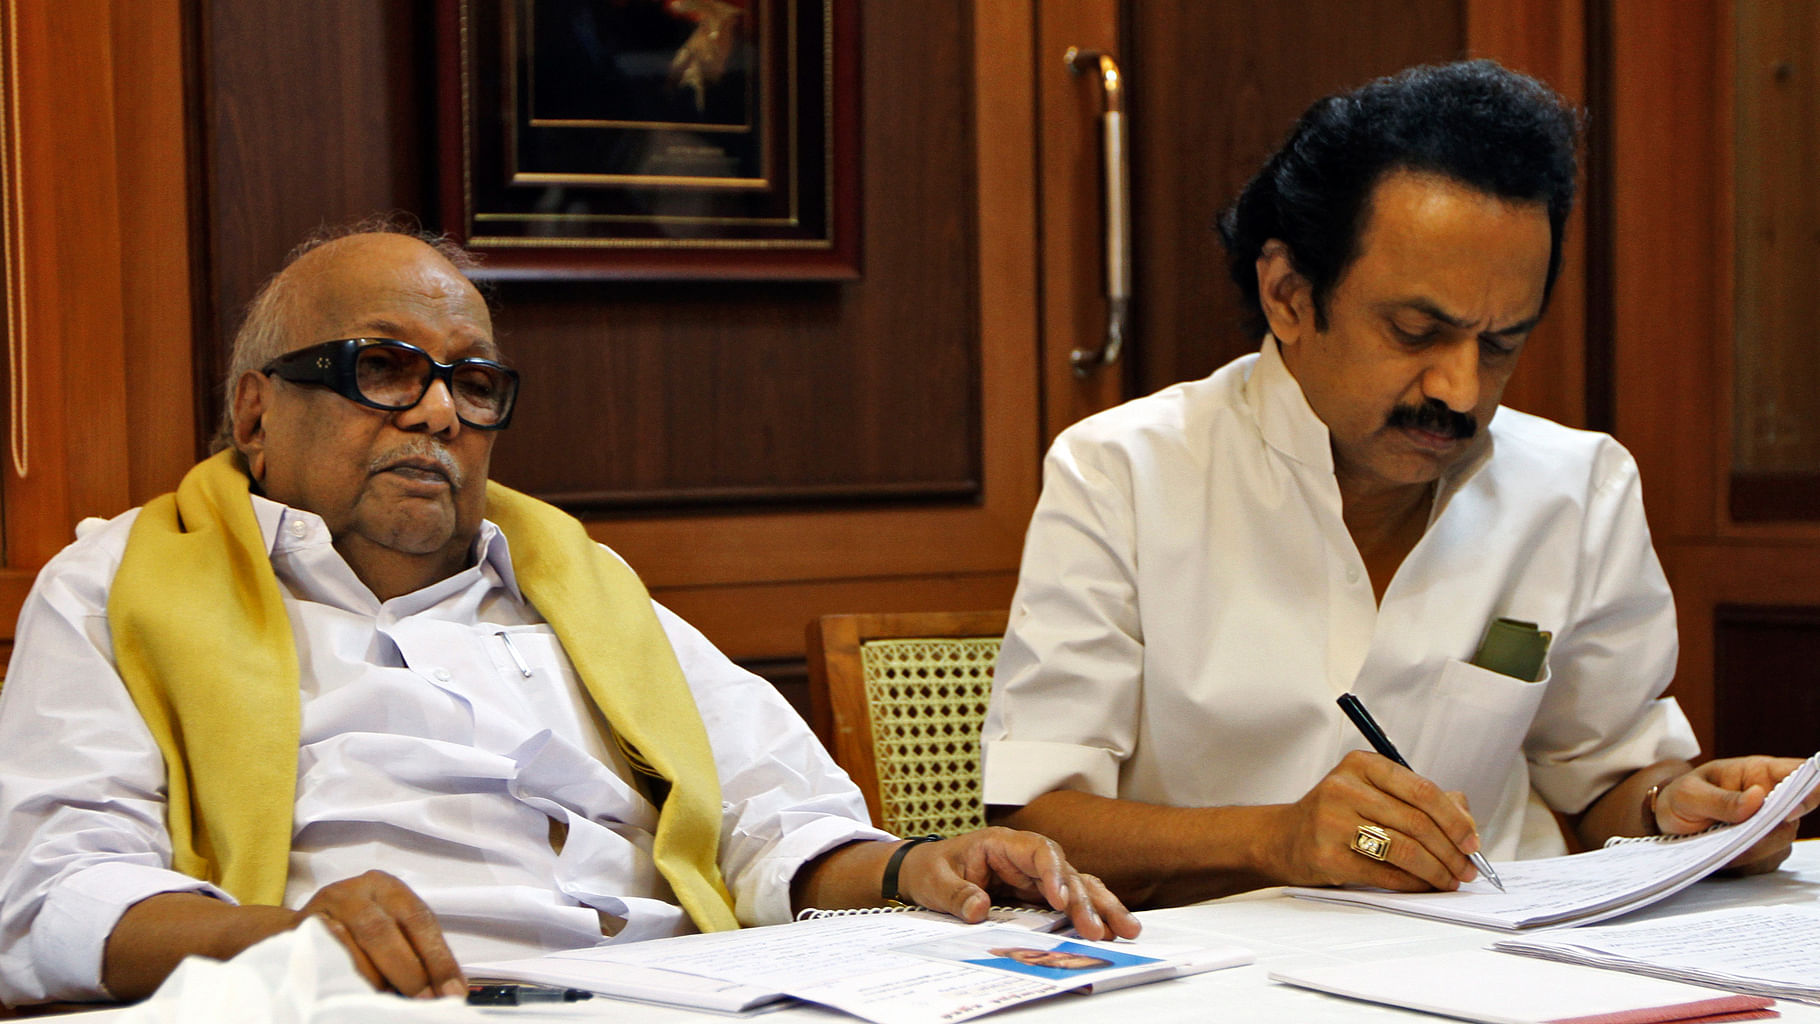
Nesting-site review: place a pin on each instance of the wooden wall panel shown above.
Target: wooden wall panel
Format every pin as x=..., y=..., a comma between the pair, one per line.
x=642, y=395
x=1777, y=235
x=1765, y=658
x=1561, y=375
x=1215, y=88
x=311, y=114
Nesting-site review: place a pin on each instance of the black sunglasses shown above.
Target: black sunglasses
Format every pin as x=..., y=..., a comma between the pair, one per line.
x=386, y=374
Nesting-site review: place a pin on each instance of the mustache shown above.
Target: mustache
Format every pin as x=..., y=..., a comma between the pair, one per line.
x=1434, y=417
x=419, y=451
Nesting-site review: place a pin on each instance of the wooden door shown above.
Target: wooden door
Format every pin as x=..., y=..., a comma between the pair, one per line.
x=1211, y=90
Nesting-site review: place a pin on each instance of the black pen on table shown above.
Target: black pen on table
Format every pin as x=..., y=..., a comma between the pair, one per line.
x=521, y=995
x=1355, y=710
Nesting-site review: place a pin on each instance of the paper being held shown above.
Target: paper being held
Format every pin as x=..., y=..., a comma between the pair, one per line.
x=1581, y=888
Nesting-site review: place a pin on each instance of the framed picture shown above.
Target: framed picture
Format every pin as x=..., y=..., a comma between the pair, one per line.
x=651, y=138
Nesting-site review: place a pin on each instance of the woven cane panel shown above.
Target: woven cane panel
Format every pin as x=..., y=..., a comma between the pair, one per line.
x=928, y=699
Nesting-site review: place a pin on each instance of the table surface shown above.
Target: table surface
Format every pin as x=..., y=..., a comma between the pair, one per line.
x=1281, y=931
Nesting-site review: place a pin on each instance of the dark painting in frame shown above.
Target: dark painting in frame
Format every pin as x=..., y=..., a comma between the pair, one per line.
x=651, y=138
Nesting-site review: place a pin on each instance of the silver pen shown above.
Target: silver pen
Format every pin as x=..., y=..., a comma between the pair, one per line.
x=517, y=659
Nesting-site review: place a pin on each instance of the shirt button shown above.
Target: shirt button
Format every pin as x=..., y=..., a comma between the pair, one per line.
x=1352, y=574
x=441, y=675
x=299, y=528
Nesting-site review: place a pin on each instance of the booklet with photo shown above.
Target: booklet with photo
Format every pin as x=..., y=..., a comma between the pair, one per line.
x=1585, y=887
x=896, y=968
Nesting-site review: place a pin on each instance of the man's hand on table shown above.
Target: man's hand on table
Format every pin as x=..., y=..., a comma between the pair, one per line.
x=958, y=876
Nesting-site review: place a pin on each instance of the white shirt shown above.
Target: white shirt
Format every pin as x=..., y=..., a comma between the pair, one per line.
x=1191, y=604
x=425, y=751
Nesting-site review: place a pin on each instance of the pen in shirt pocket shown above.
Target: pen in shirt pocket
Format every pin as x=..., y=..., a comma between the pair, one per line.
x=517, y=659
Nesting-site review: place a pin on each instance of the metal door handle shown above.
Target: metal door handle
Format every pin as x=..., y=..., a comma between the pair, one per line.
x=1118, y=208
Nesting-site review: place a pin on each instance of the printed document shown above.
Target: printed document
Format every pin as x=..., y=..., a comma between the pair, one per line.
x=1768, y=951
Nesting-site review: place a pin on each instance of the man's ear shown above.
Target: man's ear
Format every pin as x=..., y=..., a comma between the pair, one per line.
x=251, y=393
x=1287, y=296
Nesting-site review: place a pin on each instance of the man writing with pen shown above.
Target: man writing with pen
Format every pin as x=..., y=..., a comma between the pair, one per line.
x=1350, y=510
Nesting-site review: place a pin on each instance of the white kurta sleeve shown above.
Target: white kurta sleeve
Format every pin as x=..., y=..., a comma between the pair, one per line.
x=1066, y=690
x=82, y=797
x=784, y=800
x=1604, y=716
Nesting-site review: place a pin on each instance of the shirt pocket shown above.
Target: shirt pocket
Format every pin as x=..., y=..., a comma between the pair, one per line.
x=1472, y=737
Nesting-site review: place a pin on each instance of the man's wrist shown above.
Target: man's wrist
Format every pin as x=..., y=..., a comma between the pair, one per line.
x=890, y=889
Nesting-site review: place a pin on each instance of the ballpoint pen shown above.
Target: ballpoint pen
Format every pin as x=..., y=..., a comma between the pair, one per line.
x=520, y=995
x=1355, y=710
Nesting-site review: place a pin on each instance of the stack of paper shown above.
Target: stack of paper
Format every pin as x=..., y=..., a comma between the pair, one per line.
x=1592, y=886
x=1480, y=985
x=1769, y=951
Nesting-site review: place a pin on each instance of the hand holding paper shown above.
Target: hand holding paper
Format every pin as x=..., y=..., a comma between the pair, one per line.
x=1731, y=790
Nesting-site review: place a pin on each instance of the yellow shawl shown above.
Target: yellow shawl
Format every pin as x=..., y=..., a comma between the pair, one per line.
x=204, y=645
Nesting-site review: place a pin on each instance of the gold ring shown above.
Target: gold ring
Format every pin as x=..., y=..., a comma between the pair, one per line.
x=1372, y=841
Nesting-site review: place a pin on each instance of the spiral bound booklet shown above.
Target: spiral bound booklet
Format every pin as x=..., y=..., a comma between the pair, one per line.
x=1037, y=919
x=1585, y=887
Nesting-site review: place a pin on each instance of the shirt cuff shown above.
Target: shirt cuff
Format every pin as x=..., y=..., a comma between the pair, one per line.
x=1662, y=732
x=72, y=928
x=762, y=893
x=1018, y=771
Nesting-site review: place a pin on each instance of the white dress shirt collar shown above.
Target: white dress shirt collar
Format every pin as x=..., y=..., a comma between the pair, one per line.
x=294, y=533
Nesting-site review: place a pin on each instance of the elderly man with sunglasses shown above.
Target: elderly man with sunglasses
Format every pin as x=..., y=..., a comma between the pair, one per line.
x=339, y=674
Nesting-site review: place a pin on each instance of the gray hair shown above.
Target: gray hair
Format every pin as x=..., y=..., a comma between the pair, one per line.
x=264, y=334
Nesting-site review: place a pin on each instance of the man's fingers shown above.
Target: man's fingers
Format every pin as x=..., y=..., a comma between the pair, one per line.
x=942, y=887
x=1432, y=833
x=1691, y=803
x=957, y=874
x=392, y=934
x=419, y=927
x=1408, y=864
x=362, y=962
x=1767, y=853
x=1118, y=921
x=1446, y=810
x=379, y=937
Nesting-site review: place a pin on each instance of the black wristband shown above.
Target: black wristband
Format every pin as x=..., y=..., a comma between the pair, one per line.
x=888, y=889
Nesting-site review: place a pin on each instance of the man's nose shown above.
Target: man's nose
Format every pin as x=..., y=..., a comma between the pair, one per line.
x=1453, y=376
x=434, y=412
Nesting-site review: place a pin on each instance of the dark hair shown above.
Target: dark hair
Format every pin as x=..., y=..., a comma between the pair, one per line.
x=1476, y=122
